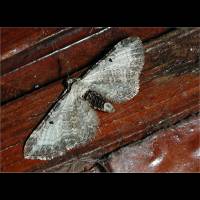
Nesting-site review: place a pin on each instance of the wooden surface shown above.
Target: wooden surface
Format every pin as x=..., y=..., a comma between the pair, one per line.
x=169, y=92
x=23, y=45
x=65, y=61
x=16, y=40
x=175, y=149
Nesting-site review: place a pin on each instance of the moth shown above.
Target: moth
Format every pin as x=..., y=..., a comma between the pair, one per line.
x=73, y=120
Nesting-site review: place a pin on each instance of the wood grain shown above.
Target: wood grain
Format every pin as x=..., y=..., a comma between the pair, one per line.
x=169, y=92
x=175, y=149
x=32, y=48
x=15, y=40
x=65, y=61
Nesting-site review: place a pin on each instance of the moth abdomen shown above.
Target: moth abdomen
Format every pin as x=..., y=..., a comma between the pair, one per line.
x=97, y=101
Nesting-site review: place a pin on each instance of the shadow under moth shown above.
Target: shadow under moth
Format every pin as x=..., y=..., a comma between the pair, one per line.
x=73, y=120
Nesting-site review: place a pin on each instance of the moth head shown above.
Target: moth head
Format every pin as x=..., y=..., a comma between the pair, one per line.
x=69, y=83
x=108, y=107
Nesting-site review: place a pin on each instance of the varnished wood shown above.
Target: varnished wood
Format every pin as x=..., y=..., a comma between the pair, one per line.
x=15, y=40
x=31, y=48
x=169, y=92
x=175, y=149
x=72, y=57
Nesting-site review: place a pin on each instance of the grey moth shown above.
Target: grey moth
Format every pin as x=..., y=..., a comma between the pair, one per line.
x=73, y=121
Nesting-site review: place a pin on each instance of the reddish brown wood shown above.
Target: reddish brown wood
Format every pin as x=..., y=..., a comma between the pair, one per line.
x=66, y=61
x=169, y=92
x=44, y=46
x=15, y=40
x=175, y=149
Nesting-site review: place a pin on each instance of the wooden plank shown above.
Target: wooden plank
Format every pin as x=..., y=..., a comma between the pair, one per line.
x=176, y=149
x=169, y=92
x=46, y=45
x=15, y=40
x=65, y=61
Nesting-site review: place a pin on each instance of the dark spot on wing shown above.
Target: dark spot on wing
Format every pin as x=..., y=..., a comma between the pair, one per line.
x=51, y=122
x=110, y=59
